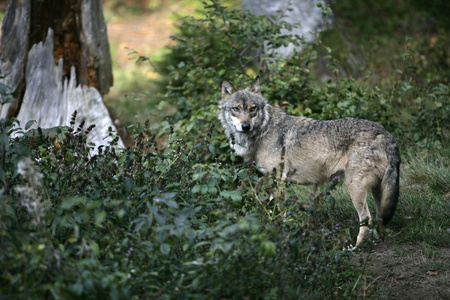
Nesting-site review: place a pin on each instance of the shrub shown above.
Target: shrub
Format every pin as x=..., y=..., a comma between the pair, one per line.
x=157, y=221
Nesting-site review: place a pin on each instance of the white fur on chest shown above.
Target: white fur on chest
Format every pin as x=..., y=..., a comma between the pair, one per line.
x=240, y=145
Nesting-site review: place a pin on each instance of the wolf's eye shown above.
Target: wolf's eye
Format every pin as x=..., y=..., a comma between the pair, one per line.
x=236, y=109
x=253, y=109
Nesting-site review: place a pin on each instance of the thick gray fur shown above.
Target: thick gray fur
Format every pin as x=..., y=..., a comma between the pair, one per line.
x=310, y=151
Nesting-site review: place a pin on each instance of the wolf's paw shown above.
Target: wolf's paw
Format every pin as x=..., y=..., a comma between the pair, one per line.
x=350, y=248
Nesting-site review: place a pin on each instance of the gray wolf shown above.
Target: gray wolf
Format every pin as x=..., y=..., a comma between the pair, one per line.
x=307, y=151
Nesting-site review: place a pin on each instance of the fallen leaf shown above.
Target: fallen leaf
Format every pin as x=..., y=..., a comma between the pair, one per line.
x=432, y=272
x=307, y=207
x=401, y=276
x=57, y=144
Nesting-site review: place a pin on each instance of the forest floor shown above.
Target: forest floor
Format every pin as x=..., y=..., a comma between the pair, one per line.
x=406, y=270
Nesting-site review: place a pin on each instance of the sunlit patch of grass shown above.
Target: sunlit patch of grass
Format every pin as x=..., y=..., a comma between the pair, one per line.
x=431, y=173
x=423, y=211
x=134, y=91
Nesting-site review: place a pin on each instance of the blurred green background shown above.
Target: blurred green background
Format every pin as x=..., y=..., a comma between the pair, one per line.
x=368, y=37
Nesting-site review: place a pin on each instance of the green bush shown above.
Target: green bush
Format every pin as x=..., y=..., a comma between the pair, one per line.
x=234, y=45
x=157, y=221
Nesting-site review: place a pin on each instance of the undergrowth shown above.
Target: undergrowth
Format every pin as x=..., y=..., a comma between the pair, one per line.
x=156, y=221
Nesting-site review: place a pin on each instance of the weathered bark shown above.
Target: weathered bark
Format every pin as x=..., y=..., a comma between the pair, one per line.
x=79, y=38
x=57, y=61
x=96, y=46
x=14, y=48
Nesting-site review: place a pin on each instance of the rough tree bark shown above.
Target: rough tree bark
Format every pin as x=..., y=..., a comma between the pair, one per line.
x=57, y=60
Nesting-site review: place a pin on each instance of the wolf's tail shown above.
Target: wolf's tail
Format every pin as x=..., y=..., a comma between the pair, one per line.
x=390, y=190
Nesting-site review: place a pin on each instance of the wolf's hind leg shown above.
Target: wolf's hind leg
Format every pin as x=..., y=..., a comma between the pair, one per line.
x=359, y=191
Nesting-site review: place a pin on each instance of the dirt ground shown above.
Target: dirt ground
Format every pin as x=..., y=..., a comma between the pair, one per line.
x=406, y=271
x=396, y=271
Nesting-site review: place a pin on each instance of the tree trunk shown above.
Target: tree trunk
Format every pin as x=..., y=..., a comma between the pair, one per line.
x=57, y=61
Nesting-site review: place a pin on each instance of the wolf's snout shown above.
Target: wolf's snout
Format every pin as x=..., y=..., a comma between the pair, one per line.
x=246, y=127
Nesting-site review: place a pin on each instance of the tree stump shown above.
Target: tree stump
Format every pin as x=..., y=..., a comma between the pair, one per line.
x=57, y=60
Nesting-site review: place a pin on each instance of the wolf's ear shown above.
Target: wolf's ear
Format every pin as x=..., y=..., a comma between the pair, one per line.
x=227, y=89
x=254, y=87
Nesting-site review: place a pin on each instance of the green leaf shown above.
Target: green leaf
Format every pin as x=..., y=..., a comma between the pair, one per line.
x=99, y=218
x=196, y=188
x=190, y=234
x=235, y=196
x=77, y=288
x=160, y=219
x=127, y=185
x=212, y=149
x=166, y=198
x=173, y=186
x=4, y=141
x=165, y=248
x=94, y=247
x=68, y=157
x=172, y=203
x=267, y=248
x=72, y=239
x=29, y=124
x=68, y=203
x=122, y=159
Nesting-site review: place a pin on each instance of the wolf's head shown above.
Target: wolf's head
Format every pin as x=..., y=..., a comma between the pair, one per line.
x=242, y=109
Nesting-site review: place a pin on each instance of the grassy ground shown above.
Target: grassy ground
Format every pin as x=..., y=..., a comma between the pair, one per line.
x=412, y=260
x=423, y=213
